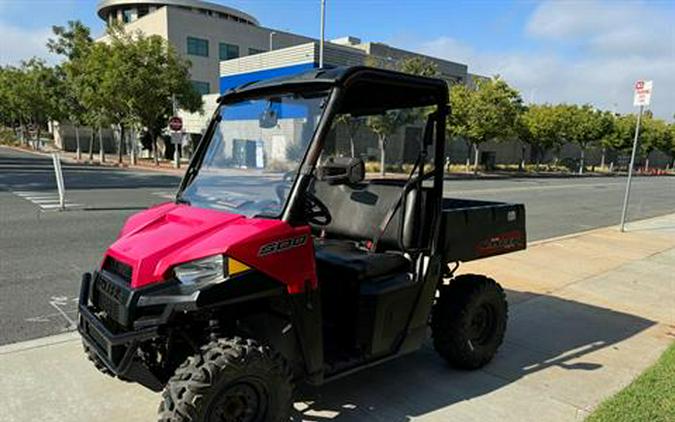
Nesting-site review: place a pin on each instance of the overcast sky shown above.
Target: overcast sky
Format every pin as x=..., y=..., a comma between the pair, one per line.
x=553, y=51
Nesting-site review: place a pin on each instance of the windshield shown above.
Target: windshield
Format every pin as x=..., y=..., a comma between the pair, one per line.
x=252, y=158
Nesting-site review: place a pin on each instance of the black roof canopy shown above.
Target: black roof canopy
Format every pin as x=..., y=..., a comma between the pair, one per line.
x=367, y=90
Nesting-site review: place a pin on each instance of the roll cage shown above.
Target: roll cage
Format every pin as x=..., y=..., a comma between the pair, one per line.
x=359, y=91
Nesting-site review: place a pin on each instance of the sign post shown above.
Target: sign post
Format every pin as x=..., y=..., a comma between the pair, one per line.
x=58, y=172
x=641, y=98
x=176, y=126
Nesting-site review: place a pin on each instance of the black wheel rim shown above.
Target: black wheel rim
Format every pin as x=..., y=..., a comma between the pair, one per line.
x=483, y=324
x=242, y=401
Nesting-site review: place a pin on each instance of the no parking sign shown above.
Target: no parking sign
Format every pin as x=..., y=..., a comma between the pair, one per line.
x=643, y=93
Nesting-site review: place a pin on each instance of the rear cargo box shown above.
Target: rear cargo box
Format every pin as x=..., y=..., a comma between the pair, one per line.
x=478, y=229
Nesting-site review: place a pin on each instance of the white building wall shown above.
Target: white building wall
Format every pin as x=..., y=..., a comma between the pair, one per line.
x=184, y=23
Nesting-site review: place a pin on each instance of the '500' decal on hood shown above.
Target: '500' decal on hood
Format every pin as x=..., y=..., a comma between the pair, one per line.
x=282, y=245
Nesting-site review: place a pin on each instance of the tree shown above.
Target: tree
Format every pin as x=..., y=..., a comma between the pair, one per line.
x=352, y=125
x=153, y=76
x=669, y=148
x=623, y=131
x=74, y=43
x=96, y=88
x=542, y=127
x=386, y=124
x=42, y=92
x=485, y=113
x=14, y=109
x=654, y=135
x=585, y=126
x=418, y=66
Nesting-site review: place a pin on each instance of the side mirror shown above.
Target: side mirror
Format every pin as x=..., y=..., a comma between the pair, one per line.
x=342, y=170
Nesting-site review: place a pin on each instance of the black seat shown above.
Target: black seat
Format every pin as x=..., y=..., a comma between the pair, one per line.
x=344, y=259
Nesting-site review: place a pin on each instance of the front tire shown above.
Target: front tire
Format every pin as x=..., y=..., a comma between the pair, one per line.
x=231, y=379
x=468, y=321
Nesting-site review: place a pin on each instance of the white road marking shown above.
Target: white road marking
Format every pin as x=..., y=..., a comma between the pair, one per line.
x=60, y=304
x=164, y=194
x=45, y=200
x=56, y=302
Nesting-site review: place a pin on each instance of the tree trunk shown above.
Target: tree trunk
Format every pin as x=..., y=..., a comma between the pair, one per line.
x=468, y=156
x=101, y=152
x=153, y=137
x=22, y=132
x=521, y=166
x=351, y=146
x=132, y=147
x=383, y=141
x=37, y=138
x=581, y=160
x=91, y=145
x=475, y=158
x=647, y=164
x=78, y=151
x=611, y=167
x=602, y=158
x=120, y=151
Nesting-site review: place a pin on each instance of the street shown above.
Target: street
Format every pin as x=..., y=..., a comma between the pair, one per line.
x=43, y=252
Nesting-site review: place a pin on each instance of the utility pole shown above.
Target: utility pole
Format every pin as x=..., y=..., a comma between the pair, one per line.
x=323, y=29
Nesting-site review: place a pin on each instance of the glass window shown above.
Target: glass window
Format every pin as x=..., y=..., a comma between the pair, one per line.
x=127, y=15
x=142, y=10
x=393, y=137
x=197, y=47
x=252, y=158
x=202, y=87
x=228, y=51
x=252, y=51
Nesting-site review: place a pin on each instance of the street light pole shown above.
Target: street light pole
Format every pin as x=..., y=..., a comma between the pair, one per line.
x=323, y=28
x=272, y=34
x=630, y=170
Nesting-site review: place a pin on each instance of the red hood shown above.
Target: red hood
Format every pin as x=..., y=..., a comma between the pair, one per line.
x=155, y=240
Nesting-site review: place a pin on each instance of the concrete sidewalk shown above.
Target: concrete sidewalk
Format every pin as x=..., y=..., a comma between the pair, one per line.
x=588, y=313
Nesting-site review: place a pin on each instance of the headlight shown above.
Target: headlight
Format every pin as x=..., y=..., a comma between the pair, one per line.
x=212, y=269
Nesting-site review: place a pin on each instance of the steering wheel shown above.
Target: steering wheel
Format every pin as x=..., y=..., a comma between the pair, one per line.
x=316, y=212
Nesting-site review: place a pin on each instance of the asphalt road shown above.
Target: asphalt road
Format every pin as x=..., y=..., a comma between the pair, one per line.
x=43, y=253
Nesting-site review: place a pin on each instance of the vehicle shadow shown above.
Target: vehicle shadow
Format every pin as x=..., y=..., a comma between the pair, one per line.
x=544, y=332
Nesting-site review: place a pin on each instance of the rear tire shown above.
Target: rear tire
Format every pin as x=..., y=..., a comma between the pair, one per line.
x=231, y=379
x=468, y=321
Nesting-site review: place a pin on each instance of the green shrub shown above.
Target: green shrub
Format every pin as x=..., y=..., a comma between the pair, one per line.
x=8, y=137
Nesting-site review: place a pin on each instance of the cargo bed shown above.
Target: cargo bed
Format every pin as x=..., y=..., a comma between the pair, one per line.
x=478, y=229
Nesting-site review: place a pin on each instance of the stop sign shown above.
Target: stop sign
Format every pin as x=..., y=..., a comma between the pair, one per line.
x=176, y=123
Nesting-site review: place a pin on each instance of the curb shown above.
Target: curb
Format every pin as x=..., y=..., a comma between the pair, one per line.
x=594, y=230
x=39, y=343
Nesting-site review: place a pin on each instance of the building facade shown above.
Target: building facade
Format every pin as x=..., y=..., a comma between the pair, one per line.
x=205, y=33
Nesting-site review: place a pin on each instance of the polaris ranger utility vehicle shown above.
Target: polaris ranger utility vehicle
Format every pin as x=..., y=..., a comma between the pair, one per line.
x=281, y=261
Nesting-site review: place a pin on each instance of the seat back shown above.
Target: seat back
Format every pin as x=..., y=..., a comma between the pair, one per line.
x=359, y=210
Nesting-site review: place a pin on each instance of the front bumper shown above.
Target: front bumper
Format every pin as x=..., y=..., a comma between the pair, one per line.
x=117, y=344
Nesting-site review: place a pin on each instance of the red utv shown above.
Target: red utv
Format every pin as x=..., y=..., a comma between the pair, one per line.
x=281, y=261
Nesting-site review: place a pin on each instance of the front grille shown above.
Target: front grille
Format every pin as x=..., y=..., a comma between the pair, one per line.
x=109, y=299
x=118, y=268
